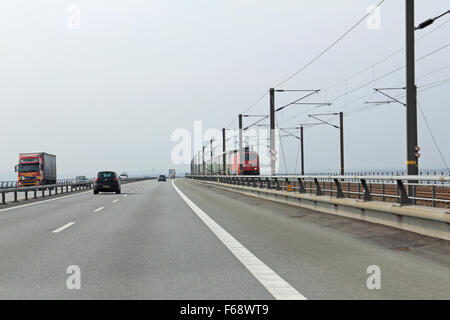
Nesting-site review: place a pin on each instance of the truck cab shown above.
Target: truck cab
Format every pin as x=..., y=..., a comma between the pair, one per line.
x=35, y=169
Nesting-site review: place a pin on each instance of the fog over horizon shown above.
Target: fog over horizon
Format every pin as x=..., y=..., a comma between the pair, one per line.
x=109, y=94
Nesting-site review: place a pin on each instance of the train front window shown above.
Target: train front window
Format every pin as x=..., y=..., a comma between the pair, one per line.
x=250, y=157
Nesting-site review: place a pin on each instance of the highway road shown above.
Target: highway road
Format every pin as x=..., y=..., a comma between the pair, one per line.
x=190, y=241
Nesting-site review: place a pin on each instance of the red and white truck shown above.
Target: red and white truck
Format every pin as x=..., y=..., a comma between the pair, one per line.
x=35, y=169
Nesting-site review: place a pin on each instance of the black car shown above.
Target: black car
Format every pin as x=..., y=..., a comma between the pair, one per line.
x=162, y=178
x=107, y=181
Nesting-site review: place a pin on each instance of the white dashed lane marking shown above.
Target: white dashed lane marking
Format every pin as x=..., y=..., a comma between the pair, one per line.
x=63, y=227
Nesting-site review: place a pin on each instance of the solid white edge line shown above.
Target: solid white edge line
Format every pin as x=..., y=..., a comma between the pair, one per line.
x=43, y=201
x=63, y=227
x=277, y=286
x=99, y=209
x=115, y=200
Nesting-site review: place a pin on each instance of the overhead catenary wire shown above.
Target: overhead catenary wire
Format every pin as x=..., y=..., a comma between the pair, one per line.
x=383, y=59
x=432, y=136
x=388, y=73
x=356, y=74
x=370, y=107
x=330, y=46
x=334, y=43
x=370, y=95
x=248, y=108
x=282, y=149
x=368, y=68
x=423, y=87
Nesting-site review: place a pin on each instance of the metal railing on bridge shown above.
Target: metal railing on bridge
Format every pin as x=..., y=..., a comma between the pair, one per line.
x=428, y=190
x=13, y=184
x=50, y=189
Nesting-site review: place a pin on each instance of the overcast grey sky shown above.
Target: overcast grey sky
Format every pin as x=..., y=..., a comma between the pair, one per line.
x=109, y=94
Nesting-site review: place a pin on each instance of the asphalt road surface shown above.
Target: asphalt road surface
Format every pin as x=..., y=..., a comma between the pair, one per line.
x=197, y=242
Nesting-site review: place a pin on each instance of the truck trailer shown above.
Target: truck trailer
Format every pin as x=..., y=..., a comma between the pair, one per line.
x=35, y=169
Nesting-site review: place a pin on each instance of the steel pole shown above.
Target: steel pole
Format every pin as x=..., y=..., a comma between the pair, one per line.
x=302, y=150
x=224, y=150
x=411, y=94
x=240, y=145
x=211, y=159
x=272, y=130
x=203, y=157
x=341, y=129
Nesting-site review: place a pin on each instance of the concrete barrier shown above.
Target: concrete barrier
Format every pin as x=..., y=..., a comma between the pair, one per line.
x=433, y=222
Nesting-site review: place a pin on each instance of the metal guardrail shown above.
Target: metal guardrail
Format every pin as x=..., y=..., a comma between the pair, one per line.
x=426, y=173
x=8, y=184
x=13, y=184
x=402, y=189
x=66, y=187
x=43, y=188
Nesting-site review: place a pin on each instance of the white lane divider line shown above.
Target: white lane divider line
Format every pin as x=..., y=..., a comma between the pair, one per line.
x=99, y=209
x=276, y=285
x=63, y=227
x=115, y=200
x=125, y=195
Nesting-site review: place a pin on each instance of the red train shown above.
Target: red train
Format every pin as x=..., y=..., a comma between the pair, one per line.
x=249, y=165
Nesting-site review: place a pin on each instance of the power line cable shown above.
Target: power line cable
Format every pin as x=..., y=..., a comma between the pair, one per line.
x=248, y=108
x=330, y=46
x=282, y=149
x=384, y=59
x=366, y=108
x=396, y=85
x=421, y=88
x=437, y=85
x=432, y=137
x=388, y=73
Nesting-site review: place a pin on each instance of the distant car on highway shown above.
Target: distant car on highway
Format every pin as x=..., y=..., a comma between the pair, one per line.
x=107, y=181
x=80, y=179
x=123, y=175
x=162, y=178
